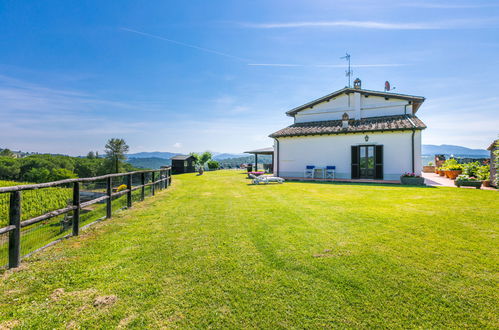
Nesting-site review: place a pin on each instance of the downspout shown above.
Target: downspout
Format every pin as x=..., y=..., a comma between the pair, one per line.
x=413, y=131
x=276, y=153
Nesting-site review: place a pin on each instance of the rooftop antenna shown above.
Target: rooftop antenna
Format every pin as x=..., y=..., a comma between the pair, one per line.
x=349, y=72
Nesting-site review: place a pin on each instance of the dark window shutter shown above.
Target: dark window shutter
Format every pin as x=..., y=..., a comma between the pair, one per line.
x=355, y=162
x=378, y=158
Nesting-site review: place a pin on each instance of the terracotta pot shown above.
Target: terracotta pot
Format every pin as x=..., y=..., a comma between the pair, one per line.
x=436, y=170
x=441, y=172
x=486, y=183
x=453, y=174
x=428, y=168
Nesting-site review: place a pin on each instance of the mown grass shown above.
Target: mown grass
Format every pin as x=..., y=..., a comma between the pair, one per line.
x=214, y=251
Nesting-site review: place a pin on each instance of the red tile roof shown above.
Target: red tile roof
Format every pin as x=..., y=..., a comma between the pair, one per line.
x=373, y=124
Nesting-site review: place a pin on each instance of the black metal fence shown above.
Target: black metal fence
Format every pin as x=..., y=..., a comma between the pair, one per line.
x=36, y=215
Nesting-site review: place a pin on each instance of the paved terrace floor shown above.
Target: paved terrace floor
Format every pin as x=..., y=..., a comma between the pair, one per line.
x=432, y=179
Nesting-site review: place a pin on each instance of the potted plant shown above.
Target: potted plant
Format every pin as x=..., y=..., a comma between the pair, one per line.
x=441, y=171
x=453, y=171
x=452, y=168
x=201, y=160
x=411, y=179
x=429, y=168
x=467, y=181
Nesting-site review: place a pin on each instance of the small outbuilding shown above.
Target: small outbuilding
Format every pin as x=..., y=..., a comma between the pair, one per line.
x=183, y=164
x=493, y=162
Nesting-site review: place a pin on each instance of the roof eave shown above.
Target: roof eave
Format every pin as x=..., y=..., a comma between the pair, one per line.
x=416, y=99
x=351, y=132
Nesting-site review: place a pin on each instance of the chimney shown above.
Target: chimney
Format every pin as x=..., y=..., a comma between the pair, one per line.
x=357, y=83
x=344, y=121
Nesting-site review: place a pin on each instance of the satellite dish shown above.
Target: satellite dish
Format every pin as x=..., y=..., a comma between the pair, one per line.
x=387, y=86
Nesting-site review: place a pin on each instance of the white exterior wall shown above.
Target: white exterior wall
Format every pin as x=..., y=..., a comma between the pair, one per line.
x=357, y=106
x=295, y=153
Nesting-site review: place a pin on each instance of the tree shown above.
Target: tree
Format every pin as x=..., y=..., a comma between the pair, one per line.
x=115, y=153
x=61, y=174
x=213, y=165
x=37, y=175
x=7, y=153
x=201, y=160
x=10, y=168
x=90, y=155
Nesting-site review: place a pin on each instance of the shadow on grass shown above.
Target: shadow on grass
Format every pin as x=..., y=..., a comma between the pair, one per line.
x=363, y=184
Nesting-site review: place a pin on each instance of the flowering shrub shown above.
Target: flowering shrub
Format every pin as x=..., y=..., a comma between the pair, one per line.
x=464, y=177
x=452, y=165
x=410, y=175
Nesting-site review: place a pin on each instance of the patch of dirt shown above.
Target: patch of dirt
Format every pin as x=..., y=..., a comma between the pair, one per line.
x=57, y=294
x=83, y=297
x=83, y=294
x=72, y=325
x=103, y=301
x=11, y=324
x=11, y=271
x=124, y=323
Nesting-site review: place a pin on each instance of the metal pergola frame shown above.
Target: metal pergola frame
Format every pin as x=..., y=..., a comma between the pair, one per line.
x=263, y=151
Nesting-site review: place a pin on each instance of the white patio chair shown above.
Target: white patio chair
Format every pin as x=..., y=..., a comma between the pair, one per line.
x=309, y=171
x=330, y=172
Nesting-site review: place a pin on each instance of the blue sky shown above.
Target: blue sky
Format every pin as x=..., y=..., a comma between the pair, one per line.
x=219, y=75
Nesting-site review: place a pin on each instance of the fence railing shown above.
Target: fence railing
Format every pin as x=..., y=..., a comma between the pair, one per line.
x=148, y=179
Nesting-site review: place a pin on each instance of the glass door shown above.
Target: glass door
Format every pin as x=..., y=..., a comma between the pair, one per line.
x=366, y=163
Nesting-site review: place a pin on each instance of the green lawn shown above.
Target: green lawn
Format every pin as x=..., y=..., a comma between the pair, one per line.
x=214, y=251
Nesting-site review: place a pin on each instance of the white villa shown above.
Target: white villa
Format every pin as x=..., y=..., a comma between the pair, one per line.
x=362, y=134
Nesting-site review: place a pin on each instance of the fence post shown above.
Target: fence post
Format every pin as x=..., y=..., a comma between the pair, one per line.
x=143, y=182
x=76, y=211
x=153, y=185
x=129, y=193
x=15, y=235
x=109, y=186
x=170, y=176
x=162, y=175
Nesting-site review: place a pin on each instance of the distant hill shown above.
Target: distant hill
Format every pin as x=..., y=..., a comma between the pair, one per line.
x=152, y=163
x=447, y=149
x=223, y=156
x=235, y=162
x=153, y=154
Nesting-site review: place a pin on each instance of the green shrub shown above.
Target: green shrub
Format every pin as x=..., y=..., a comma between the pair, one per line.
x=483, y=172
x=213, y=165
x=470, y=169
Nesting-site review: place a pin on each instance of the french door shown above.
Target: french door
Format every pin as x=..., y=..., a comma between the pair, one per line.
x=367, y=162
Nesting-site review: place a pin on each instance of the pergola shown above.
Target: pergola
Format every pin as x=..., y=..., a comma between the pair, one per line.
x=263, y=151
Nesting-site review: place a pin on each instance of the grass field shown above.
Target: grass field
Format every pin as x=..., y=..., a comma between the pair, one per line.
x=214, y=251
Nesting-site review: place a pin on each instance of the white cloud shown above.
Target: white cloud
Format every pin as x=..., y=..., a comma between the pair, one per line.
x=450, y=24
x=177, y=145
